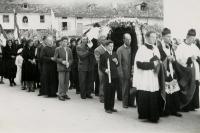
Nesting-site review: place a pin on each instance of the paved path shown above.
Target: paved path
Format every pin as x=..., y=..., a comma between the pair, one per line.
x=23, y=112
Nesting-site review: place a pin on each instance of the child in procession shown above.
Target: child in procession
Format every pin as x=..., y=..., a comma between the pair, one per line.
x=108, y=65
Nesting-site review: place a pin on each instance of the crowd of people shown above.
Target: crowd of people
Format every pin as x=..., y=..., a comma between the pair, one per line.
x=156, y=75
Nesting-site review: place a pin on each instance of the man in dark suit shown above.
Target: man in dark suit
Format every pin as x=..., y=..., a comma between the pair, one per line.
x=64, y=58
x=86, y=63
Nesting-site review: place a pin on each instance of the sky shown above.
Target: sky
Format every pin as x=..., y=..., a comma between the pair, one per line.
x=181, y=15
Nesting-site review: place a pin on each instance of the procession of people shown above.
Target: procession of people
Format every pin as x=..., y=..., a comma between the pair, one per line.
x=162, y=74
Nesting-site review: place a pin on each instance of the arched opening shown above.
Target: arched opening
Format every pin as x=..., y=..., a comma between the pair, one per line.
x=25, y=19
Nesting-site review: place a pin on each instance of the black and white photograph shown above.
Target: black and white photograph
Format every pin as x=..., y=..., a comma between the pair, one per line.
x=99, y=66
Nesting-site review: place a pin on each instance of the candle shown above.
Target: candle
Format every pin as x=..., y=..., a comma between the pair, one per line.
x=66, y=58
x=109, y=74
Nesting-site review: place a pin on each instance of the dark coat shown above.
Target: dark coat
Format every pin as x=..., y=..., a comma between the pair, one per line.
x=49, y=74
x=86, y=58
x=10, y=68
x=28, y=69
x=1, y=61
x=113, y=66
x=75, y=58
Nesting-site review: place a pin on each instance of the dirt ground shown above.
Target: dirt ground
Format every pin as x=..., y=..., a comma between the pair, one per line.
x=23, y=112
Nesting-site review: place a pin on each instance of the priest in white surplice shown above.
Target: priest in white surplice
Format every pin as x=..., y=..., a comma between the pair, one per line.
x=145, y=79
x=187, y=55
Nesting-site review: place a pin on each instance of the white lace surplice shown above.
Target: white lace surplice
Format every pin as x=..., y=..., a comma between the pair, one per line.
x=146, y=80
x=185, y=51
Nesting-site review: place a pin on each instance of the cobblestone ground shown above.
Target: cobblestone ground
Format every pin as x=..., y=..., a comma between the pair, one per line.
x=23, y=112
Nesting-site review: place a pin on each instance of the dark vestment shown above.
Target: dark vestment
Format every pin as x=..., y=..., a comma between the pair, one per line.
x=40, y=64
x=1, y=62
x=49, y=71
x=172, y=99
x=74, y=70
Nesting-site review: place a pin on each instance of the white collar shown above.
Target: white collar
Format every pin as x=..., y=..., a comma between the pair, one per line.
x=126, y=46
x=164, y=44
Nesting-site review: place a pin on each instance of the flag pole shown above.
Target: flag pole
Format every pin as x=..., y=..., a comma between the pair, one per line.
x=16, y=27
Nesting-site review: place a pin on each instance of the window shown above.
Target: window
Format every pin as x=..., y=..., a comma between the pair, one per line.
x=42, y=19
x=25, y=19
x=143, y=6
x=79, y=17
x=5, y=18
x=25, y=5
x=64, y=25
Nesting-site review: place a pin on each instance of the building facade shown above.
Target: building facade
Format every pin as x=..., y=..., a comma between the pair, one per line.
x=38, y=17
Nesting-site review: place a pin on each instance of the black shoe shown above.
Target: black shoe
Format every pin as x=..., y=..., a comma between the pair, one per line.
x=184, y=110
x=23, y=88
x=108, y=111
x=192, y=110
x=177, y=114
x=133, y=106
x=113, y=110
x=52, y=96
x=164, y=114
x=83, y=97
x=140, y=117
x=70, y=88
x=101, y=101
x=61, y=98
x=153, y=120
x=11, y=84
x=119, y=99
x=125, y=106
x=40, y=94
x=67, y=97
x=14, y=83
x=89, y=96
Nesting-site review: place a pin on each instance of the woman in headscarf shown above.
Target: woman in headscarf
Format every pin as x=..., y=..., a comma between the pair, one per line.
x=28, y=66
x=9, y=55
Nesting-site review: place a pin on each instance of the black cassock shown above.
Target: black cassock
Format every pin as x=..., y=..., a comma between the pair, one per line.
x=49, y=74
x=28, y=69
x=10, y=69
x=1, y=61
